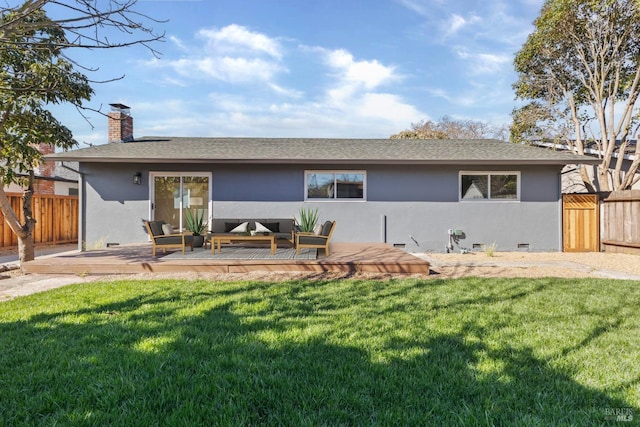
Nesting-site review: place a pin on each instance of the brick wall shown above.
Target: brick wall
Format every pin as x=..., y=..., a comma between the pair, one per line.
x=45, y=169
x=44, y=186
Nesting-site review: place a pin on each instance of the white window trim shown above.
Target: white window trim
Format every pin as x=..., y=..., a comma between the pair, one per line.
x=336, y=172
x=489, y=200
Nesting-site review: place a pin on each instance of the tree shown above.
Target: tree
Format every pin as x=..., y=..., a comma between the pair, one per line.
x=447, y=128
x=579, y=75
x=35, y=73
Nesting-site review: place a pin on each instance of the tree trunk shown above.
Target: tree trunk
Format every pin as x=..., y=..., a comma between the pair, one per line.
x=24, y=232
x=26, y=251
x=10, y=217
x=603, y=178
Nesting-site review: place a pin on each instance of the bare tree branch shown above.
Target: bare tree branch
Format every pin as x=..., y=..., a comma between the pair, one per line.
x=86, y=23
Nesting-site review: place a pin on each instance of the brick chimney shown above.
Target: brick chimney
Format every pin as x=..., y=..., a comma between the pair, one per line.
x=46, y=169
x=120, y=123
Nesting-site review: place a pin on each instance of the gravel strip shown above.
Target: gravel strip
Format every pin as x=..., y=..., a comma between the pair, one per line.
x=476, y=264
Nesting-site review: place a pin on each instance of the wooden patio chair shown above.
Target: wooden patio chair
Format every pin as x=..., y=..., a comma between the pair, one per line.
x=319, y=241
x=164, y=241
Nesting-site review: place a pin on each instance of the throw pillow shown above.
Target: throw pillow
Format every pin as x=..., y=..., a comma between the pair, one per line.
x=167, y=228
x=317, y=229
x=242, y=228
x=262, y=229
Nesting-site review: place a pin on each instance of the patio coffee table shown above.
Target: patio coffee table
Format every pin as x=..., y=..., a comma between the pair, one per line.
x=218, y=238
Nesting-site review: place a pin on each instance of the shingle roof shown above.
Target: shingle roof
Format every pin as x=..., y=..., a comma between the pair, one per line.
x=67, y=174
x=318, y=151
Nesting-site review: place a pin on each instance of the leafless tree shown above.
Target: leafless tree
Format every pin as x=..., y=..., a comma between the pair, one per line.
x=448, y=128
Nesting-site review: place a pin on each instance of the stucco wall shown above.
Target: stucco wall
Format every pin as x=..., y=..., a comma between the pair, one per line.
x=413, y=206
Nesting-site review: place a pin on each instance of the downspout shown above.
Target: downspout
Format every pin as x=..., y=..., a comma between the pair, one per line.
x=560, y=214
x=81, y=210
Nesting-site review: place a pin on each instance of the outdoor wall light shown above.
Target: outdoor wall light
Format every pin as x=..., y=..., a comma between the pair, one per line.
x=137, y=178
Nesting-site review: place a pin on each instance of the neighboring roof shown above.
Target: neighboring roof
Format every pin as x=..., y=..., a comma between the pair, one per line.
x=67, y=173
x=592, y=149
x=61, y=174
x=319, y=151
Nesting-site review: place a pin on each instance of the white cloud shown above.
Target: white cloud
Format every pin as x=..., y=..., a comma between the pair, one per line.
x=420, y=7
x=477, y=22
x=484, y=63
x=457, y=22
x=367, y=74
x=354, y=90
x=232, y=54
x=238, y=39
x=236, y=70
x=178, y=42
x=388, y=107
x=291, y=93
x=169, y=81
x=489, y=62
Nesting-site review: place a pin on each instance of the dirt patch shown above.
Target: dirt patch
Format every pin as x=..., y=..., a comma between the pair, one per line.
x=535, y=264
x=502, y=264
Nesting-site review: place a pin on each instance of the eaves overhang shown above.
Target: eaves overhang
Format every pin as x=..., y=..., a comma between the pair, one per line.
x=478, y=162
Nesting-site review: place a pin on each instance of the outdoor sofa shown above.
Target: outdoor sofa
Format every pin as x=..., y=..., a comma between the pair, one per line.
x=283, y=228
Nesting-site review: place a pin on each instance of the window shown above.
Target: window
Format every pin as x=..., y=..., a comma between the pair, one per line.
x=489, y=186
x=331, y=185
x=171, y=193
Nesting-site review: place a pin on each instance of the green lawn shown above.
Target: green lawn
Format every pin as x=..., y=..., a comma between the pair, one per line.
x=341, y=352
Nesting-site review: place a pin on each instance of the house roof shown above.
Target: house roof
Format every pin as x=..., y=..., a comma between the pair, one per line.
x=319, y=151
x=67, y=173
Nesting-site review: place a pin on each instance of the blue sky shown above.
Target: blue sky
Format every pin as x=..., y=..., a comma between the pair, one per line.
x=323, y=68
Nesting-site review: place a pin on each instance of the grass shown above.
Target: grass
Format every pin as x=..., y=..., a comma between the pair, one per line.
x=343, y=352
x=490, y=250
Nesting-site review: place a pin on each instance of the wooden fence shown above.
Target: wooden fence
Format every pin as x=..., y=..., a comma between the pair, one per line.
x=621, y=222
x=56, y=220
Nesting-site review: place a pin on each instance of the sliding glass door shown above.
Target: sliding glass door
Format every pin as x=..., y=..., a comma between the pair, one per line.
x=173, y=193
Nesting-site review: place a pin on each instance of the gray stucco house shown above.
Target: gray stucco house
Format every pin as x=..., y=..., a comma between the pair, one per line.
x=409, y=193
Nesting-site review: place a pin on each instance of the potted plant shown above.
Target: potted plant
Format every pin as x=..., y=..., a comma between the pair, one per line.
x=308, y=219
x=197, y=225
